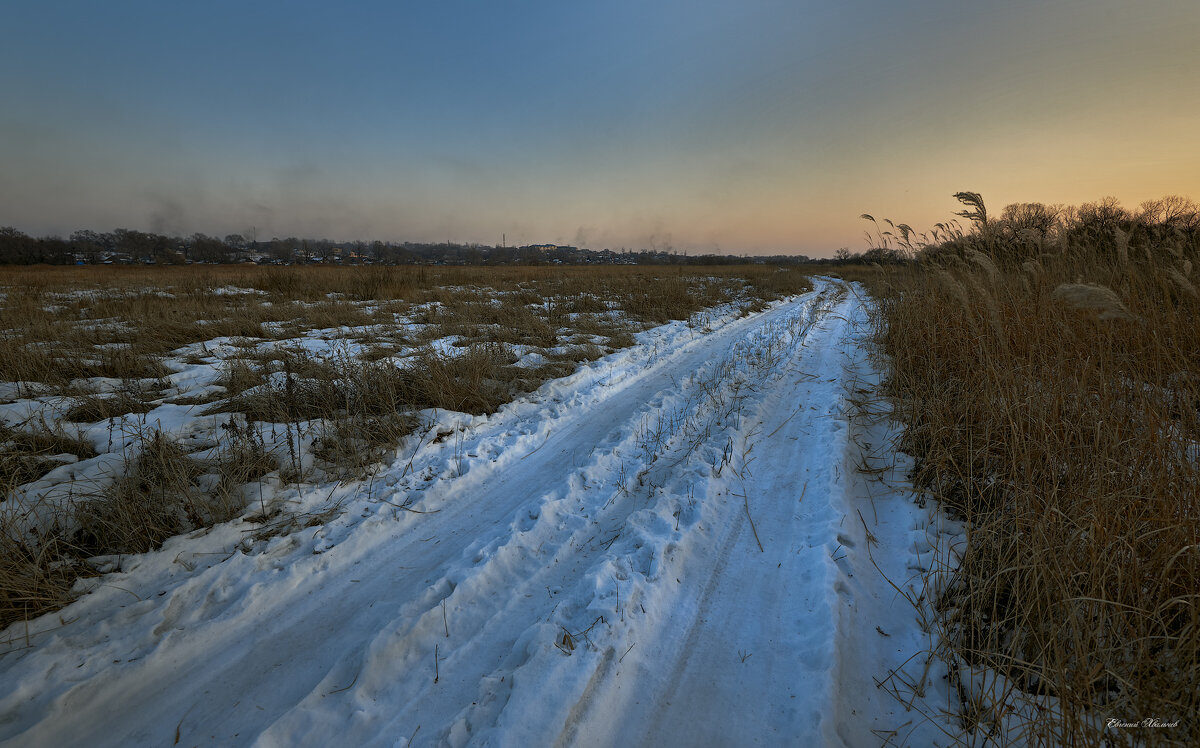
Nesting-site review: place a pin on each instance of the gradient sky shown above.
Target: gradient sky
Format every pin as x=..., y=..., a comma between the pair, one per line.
x=742, y=126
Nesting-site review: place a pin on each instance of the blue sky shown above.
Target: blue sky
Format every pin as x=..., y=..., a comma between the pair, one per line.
x=753, y=126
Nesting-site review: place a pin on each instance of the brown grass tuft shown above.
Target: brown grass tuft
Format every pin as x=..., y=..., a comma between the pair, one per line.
x=93, y=408
x=155, y=499
x=26, y=455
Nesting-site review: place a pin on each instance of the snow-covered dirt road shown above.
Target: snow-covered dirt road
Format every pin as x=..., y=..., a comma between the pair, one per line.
x=670, y=547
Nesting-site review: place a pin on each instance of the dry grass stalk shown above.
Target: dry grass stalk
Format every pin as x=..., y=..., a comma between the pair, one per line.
x=1093, y=297
x=1182, y=283
x=1122, y=245
x=984, y=262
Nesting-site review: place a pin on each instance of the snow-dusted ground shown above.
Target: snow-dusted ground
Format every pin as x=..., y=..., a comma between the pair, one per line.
x=673, y=546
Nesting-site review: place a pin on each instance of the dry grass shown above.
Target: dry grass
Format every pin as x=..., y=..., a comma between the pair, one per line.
x=60, y=324
x=242, y=460
x=27, y=454
x=37, y=571
x=1056, y=408
x=36, y=576
x=93, y=408
x=155, y=499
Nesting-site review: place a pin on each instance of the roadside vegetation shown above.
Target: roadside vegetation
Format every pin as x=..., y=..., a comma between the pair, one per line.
x=1046, y=363
x=139, y=403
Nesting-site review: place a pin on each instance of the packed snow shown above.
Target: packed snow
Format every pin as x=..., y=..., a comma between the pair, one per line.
x=703, y=539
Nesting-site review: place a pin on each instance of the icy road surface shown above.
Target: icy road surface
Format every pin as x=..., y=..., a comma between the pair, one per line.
x=669, y=547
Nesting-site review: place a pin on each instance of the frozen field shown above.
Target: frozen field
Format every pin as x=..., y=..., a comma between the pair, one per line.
x=690, y=541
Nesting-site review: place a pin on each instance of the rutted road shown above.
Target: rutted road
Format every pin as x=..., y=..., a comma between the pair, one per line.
x=643, y=553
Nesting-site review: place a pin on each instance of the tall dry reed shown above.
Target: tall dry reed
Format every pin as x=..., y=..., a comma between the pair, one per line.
x=1053, y=403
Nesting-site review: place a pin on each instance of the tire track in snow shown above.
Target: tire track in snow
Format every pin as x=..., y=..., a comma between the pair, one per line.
x=749, y=660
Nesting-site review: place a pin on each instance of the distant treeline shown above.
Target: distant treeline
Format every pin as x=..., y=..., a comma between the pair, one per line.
x=1025, y=231
x=126, y=246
